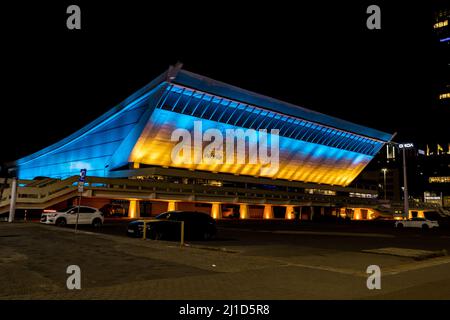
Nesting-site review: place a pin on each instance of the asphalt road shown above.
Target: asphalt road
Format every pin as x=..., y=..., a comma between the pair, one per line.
x=355, y=236
x=250, y=260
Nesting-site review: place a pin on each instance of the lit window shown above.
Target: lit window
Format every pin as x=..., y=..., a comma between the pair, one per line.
x=444, y=96
x=440, y=24
x=439, y=179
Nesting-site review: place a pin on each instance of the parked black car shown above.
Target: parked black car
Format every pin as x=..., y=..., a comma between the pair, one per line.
x=113, y=210
x=167, y=226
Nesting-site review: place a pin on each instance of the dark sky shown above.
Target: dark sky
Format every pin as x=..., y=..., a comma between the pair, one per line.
x=318, y=56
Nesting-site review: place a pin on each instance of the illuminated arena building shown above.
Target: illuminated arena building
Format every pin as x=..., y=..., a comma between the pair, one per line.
x=127, y=154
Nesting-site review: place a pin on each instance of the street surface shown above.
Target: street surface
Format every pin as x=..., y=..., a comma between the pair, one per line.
x=250, y=260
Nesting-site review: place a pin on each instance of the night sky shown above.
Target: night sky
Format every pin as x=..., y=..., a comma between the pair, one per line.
x=319, y=56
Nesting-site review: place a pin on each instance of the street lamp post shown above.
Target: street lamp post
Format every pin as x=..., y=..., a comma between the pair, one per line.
x=384, y=178
x=405, y=186
x=405, y=146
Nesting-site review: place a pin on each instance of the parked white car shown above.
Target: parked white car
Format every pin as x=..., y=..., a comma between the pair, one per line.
x=417, y=223
x=88, y=215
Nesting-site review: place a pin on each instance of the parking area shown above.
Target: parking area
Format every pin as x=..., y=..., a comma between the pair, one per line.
x=256, y=260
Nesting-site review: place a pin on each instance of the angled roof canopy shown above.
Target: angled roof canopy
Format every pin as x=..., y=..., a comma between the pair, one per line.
x=136, y=131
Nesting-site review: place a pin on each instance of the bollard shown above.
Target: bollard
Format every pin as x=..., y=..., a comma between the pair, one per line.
x=144, y=231
x=182, y=234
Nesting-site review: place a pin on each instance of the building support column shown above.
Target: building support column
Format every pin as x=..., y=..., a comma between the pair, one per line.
x=172, y=206
x=357, y=214
x=311, y=215
x=12, y=202
x=243, y=211
x=290, y=213
x=133, y=209
x=268, y=211
x=216, y=210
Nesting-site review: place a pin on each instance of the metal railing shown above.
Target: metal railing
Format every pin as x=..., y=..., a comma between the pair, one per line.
x=41, y=195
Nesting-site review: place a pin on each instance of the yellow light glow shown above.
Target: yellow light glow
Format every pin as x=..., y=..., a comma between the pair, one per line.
x=172, y=206
x=439, y=179
x=440, y=24
x=268, y=212
x=216, y=210
x=243, y=211
x=154, y=147
x=132, y=209
x=357, y=215
x=290, y=212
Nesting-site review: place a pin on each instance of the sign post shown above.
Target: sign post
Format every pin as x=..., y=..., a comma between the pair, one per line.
x=405, y=146
x=81, y=181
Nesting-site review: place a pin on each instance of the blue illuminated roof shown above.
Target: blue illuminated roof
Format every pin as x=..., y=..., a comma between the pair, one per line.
x=205, y=84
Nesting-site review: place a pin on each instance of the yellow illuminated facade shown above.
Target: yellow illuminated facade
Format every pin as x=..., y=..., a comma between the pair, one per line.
x=298, y=160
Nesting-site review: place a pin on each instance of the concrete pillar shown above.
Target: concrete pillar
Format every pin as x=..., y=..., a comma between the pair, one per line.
x=12, y=203
x=243, y=211
x=216, y=210
x=133, y=209
x=135, y=165
x=172, y=206
x=268, y=211
x=290, y=213
x=311, y=215
x=357, y=215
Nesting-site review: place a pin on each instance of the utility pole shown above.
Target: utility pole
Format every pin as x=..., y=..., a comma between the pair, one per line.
x=81, y=181
x=405, y=186
x=12, y=203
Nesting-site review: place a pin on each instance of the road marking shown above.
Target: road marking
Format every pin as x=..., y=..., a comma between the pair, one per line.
x=333, y=233
x=319, y=233
x=328, y=268
x=408, y=253
x=386, y=271
x=416, y=265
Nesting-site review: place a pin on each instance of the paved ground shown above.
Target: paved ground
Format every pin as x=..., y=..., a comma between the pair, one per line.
x=247, y=261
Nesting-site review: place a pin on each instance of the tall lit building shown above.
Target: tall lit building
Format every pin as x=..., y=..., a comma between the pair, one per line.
x=441, y=28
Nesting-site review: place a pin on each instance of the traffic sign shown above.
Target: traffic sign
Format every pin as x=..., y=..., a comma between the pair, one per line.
x=82, y=175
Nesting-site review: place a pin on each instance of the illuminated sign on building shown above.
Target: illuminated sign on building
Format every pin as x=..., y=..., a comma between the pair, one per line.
x=440, y=24
x=406, y=145
x=439, y=179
